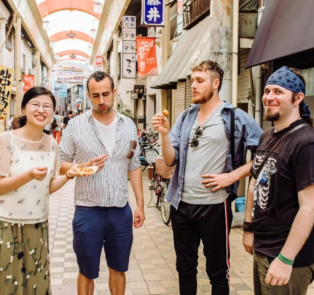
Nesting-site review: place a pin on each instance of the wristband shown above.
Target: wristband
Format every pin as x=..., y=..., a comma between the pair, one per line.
x=247, y=226
x=285, y=260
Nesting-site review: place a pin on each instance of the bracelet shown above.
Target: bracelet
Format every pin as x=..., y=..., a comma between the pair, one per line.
x=247, y=226
x=285, y=260
x=68, y=177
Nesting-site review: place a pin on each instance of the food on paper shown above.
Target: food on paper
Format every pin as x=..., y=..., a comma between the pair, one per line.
x=165, y=113
x=87, y=170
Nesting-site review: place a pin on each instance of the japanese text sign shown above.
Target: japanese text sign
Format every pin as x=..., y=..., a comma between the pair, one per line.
x=129, y=22
x=129, y=34
x=29, y=82
x=99, y=63
x=146, y=57
x=153, y=12
x=129, y=47
x=129, y=65
x=6, y=78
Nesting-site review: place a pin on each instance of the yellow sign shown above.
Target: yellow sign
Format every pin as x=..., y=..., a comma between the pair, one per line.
x=6, y=78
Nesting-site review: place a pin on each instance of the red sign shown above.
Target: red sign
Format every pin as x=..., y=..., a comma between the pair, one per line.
x=29, y=82
x=99, y=66
x=146, y=57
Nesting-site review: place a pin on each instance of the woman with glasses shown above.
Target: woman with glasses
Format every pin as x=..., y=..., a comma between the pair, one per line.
x=29, y=166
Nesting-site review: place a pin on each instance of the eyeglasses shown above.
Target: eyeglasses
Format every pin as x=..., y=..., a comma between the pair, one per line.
x=36, y=105
x=198, y=133
x=133, y=145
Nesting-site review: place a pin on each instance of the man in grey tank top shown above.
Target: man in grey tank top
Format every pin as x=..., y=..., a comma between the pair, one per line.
x=205, y=179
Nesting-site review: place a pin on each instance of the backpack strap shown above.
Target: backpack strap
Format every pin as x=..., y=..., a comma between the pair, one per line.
x=232, y=137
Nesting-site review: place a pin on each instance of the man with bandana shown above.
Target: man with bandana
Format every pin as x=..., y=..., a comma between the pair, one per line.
x=278, y=227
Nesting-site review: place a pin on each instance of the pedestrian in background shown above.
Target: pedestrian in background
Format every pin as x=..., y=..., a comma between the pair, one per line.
x=67, y=119
x=103, y=217
x=29, y=166
x=205, y=181
x=56, y=126
x=278, y=227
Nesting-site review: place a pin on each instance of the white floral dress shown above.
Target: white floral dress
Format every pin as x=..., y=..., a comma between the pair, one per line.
x=24, y=246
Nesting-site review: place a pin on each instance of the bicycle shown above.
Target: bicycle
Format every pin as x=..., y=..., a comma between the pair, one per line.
x=148, y=154
x=160, y=181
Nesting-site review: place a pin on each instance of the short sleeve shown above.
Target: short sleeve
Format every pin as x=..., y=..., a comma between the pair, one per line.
x=5, y=154
x=67, y=145
x=134, y=162
x=303, y=167
x=57, y=165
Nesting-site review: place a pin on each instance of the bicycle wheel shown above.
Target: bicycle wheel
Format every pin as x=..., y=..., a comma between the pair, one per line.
x=157, y=188
x=165, y=206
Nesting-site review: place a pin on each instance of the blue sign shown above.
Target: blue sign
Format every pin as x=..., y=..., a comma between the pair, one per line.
x=153, y=12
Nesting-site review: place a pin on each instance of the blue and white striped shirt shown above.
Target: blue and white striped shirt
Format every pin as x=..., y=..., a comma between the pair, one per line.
x=82, y=142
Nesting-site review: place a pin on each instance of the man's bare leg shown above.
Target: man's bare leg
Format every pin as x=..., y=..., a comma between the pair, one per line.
x=116, y=282
x=85, y=286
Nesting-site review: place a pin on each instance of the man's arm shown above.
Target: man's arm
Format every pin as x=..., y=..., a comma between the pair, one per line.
x=136, y=181
x=248, y=236
x=279, y=273
x=226, y=179
x=161, y=124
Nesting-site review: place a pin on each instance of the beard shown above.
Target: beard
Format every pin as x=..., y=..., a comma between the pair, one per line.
x=272, y=117
x=106, y=111
x=202, y=99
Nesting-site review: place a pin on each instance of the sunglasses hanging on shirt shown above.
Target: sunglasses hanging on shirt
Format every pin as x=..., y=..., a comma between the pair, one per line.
x=198, y=132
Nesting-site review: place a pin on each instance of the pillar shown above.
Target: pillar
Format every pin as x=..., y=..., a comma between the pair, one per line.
x=2, y=40
x=18, y=63
x=37, y=69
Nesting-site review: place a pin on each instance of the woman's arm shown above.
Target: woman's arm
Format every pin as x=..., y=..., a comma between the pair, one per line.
x=9, y=184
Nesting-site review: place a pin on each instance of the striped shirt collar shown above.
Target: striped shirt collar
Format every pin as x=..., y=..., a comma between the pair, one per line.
x=89, y=114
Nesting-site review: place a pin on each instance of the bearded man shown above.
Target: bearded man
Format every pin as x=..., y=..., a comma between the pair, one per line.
x=206, y=177
x=279, y=211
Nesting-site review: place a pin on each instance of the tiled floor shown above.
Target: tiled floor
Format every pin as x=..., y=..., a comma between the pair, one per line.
x=152, y=263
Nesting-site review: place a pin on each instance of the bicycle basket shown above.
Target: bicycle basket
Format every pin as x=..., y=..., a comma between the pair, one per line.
x=163, y=170
x=151, y=156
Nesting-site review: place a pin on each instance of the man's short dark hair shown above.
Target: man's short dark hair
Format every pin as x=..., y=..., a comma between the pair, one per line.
x=70, y=112
x=212, y=67
x=99, y=76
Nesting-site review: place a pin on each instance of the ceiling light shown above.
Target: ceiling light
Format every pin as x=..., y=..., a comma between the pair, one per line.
x=72, y=56
x=71, y=34
x=89, y=48
x=93, y=32
x=46, y=25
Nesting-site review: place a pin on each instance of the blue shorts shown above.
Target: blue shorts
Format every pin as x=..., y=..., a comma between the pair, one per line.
x=98, y=227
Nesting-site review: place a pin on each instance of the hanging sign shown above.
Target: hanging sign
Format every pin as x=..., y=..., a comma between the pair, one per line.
x=99, y=63
x=129, y=65
x=153, y=12
x=129, y=47
x=146, y=57
x=6, y=79
x=29, y=82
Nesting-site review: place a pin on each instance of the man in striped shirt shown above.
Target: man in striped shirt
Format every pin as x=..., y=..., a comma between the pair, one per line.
x=103, y=217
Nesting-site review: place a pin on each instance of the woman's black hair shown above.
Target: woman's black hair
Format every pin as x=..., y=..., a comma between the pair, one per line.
x=30, y=94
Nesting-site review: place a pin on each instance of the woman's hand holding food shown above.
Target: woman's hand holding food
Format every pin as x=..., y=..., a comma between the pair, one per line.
x=38, y=173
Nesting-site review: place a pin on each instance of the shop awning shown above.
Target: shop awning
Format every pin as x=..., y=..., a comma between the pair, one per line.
x=188, y=50
x=286, y=28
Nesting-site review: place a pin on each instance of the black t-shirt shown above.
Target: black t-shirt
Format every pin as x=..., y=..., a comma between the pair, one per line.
x=288, y=170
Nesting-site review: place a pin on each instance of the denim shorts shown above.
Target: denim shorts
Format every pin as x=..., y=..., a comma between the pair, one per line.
x=98, y=227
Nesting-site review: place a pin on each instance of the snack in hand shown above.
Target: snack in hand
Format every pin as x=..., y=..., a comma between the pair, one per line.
x=165, y=113
x=88, y=170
